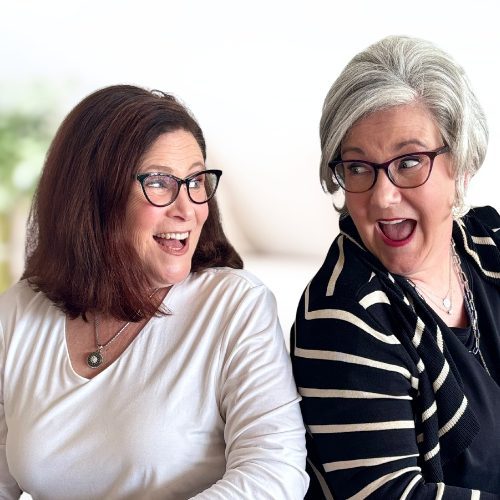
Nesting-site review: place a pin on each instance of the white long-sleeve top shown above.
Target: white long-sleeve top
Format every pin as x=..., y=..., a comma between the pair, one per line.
x=201, y=404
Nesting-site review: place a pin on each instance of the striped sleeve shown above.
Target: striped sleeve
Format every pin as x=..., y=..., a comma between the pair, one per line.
x=358, y=388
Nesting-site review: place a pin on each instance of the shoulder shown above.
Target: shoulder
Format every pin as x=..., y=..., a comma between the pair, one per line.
x=480, y=223
x=344, y=278
x=221, y=286
x=19, y=296
x=224, y=279
x=487, y=215
x=235, y=277
x=232, y=304
x=21, y=303
x=477, y=236
x=346, y=308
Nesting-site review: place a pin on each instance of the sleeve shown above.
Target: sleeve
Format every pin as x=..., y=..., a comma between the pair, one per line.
x=264, y=432
x=8, y=487
x=358, y=391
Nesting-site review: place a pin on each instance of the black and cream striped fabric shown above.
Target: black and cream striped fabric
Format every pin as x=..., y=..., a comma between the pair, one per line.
x=381, y=397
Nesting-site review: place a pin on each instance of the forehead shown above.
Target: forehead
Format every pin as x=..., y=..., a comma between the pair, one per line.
x=393, y=129
x=173, y=151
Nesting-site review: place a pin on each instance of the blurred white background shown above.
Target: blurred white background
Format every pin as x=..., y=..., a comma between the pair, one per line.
x=255, y=75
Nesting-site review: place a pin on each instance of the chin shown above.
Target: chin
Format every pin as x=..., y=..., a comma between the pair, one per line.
x=163, y=280
x=400, y=268
x=177, y=276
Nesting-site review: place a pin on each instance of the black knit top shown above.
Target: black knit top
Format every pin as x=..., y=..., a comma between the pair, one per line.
x=395, y=404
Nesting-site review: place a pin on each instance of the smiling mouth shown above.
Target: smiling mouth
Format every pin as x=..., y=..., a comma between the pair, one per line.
x=172, y=241
x=397, y=229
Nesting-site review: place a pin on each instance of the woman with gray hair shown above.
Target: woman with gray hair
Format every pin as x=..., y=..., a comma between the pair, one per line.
x=396, y=344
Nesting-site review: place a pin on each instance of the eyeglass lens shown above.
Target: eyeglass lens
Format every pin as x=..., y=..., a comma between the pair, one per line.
x=406, y=172
x=162, y=189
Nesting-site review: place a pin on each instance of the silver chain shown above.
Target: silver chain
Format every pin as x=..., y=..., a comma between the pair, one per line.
x=470, y=305
x=101, y=347
x=96, y=358
x=445, y=303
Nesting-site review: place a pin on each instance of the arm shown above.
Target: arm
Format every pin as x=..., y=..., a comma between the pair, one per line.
x=264, y=433
x=358, y=388
x=8, y=486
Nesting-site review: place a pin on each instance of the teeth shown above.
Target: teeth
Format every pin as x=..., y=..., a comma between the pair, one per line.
x=389, y=222
x=173, y=236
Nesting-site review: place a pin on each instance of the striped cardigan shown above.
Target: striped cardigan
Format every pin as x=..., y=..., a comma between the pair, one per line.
x=381, y=397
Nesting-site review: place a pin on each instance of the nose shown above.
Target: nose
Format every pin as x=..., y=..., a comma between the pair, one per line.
x=182, y=207
x=384, y=193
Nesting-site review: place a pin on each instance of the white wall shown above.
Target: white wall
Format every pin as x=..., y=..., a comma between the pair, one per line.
x=255, y=75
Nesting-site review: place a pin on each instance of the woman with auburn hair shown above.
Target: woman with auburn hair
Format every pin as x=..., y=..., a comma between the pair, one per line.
x=396, y=348
x=138, y=359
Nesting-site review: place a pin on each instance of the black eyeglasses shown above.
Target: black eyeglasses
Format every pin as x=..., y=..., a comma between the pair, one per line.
x=162, y=189
x=405, y=171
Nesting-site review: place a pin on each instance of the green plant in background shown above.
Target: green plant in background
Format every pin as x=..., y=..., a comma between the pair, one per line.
x=24, y=139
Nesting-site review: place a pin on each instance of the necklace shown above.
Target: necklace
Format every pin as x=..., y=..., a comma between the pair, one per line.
x=444, y=303
x=469, y=305
x=96, y=358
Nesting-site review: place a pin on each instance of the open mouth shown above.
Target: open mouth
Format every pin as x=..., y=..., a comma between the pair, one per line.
x=397, y=229
x=172, y=241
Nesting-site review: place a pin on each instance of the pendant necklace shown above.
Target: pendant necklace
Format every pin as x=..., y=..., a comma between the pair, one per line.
x=96, y=358
x=444, y=303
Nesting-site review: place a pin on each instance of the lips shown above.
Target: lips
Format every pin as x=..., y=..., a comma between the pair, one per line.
x=172, y=242
x=397, y=231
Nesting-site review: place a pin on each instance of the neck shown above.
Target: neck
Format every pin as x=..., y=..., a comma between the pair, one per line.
x=446, y=299
x=438, y=279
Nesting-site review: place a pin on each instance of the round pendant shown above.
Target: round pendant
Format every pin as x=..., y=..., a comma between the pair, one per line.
x=447, y=304
x=95, y=359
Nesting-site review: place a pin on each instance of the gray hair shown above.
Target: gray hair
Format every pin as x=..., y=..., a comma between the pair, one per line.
x=400, y=70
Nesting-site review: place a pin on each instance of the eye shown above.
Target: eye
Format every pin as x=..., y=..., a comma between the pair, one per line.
x=356, y=168
x=158, y=181
x=409, y=162
x=197, y=182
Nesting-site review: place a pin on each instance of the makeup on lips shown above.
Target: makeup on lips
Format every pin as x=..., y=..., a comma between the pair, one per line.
x=396, y=232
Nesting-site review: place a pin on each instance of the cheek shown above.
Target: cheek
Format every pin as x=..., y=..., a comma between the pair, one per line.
x=453, y=193
x=356, y=206
x=202, y=214
x=448, y=184
x=349, y=203
x=439, y=199
x=140, y=220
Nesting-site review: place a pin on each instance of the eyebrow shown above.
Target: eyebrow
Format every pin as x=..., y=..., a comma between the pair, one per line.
x=398, y=146
x=168, y=170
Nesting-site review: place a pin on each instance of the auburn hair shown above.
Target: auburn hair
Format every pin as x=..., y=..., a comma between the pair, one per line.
x=77, y=252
